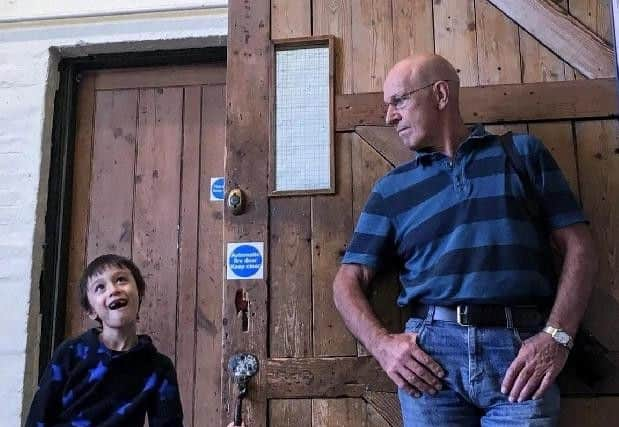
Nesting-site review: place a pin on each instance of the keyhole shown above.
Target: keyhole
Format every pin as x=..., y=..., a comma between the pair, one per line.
x=242, y=304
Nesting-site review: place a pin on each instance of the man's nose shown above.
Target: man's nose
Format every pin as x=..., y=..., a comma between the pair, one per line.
x=392, y=117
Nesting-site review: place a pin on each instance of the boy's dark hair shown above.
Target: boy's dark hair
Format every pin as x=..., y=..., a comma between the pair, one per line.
x=102, y=262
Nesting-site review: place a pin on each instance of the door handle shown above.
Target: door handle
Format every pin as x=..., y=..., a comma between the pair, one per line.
x=236, y=201
x=241, y=367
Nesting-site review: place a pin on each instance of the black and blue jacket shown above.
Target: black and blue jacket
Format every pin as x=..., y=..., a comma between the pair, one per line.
x=88, y=385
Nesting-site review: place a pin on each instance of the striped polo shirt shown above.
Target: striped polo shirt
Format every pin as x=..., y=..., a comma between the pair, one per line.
x=458, y=228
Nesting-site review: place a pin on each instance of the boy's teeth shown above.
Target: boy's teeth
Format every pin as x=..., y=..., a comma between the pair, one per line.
x=117, y=304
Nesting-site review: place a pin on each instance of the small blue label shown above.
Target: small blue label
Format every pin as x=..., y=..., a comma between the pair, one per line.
x=217, y=189
x=245, y=261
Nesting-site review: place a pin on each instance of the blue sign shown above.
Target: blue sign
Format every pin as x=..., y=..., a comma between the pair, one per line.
x=245, y=260
x=217, y=189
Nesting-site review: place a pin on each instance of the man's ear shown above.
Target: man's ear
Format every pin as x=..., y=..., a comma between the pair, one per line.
x=442, y=94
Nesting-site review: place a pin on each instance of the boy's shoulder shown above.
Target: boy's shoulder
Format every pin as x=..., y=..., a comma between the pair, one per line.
x=83, y=341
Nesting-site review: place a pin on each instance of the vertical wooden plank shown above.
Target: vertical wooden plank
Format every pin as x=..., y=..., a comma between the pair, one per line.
x=497, y=46
x=559, y=139
x=290, y=232
x=372, y=39
x=156, y=211
x=454, y=37
x=598, y=161
x=290, y=300
x=207, y=403
x=75, y=316
x=110, y=226
x=290, y=19
x=367, y=167
x=338, y=412
x=331, y=228
x=596, y=15
x=290, y=412
x=290, y=307
x=188, y=250
x=413, y=30
x=247, y=137
x=335, y=17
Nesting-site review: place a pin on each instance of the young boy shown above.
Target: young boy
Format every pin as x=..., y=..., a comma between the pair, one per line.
x=109, y=376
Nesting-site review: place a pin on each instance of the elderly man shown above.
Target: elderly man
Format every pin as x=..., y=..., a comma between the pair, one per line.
x=492, y=325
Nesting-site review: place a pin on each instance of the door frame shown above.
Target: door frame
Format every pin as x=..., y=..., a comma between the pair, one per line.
x=53, y=280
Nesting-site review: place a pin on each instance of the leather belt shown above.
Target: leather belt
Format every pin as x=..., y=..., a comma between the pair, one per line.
x=487, y=315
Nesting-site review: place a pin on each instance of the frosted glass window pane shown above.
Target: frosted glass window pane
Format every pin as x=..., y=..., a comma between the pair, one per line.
x=302, y=121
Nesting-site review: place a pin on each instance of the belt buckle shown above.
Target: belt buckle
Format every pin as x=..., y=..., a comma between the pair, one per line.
x=461, y=315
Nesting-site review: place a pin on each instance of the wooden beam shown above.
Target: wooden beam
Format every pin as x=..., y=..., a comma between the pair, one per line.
x=386, y=142
x=577, y=99
x=330, y=377
x=563, y=34
x=325, y=377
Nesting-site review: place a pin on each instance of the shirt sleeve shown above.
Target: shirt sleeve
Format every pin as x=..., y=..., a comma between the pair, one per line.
x=46, y=405
x=557, y=200
x=165, y=409
x=373, y=239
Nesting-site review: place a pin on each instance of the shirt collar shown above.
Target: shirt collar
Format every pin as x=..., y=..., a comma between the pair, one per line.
x=477, y=133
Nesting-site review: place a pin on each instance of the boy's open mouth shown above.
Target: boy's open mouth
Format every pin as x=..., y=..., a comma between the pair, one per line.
x=118, y=303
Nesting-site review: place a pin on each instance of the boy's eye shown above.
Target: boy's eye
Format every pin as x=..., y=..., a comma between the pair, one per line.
x=121, y=279
x=99, y=287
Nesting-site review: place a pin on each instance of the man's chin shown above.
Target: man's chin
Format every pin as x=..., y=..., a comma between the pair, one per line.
x=411, y=145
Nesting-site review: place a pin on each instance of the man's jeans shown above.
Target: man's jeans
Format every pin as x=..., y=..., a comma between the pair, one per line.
x=475, y=361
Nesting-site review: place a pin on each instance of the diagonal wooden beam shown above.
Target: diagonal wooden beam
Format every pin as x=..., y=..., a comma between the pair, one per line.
x=563, y=34
x=385, y=140
x=387, y=405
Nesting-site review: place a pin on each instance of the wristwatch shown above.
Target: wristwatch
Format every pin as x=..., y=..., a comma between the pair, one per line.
x=560, y=336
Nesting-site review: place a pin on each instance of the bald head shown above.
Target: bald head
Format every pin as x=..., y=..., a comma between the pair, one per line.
x=422, y=69
x=422, y=95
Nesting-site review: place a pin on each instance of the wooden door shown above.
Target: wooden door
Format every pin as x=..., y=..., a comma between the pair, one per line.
x=148, y=142
x=313, y=373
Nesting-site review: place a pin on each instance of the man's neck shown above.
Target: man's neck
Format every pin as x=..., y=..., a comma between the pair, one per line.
x=119, y=339
x=452, y=135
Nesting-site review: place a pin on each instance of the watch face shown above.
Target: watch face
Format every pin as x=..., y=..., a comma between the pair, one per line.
x=562, y=337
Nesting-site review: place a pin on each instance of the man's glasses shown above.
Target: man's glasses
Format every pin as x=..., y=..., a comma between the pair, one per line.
x=399, y=101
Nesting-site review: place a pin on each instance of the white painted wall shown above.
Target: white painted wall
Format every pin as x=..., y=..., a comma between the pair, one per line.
x=20, y=9
x=29, y=55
